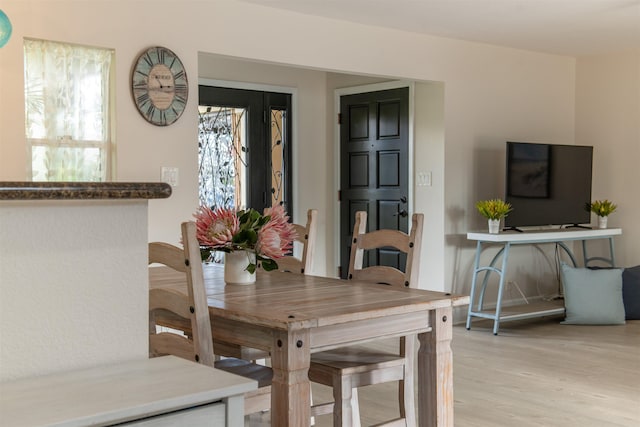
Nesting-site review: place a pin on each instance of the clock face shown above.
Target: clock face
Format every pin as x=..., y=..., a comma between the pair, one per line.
x=160, y=87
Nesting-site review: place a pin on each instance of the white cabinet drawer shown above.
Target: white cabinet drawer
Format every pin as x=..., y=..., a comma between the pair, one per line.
x=202, y=416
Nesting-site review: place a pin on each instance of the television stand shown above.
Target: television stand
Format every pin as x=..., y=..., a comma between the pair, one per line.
x=509, y=239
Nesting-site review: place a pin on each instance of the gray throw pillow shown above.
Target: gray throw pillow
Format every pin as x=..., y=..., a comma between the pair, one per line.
x=592, y=297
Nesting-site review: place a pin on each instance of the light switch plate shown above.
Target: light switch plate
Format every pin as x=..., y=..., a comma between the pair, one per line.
x=424, y=179
x=170, y=176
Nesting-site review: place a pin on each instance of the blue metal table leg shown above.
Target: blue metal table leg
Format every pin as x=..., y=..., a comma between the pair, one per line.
x=568, y=252
x=613, y=256
x=502, y=273
x=611, y=260
x=485, y=281
x=476, y=265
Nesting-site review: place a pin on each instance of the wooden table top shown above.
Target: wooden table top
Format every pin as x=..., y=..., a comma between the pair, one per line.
x=291, y=301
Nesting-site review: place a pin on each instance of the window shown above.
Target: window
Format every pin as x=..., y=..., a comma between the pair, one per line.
x=68, y=111
x=222, y=156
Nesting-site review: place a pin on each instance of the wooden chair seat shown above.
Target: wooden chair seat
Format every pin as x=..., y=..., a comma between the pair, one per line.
x=257, y=400
x=239, y=351
x=356, y=359
x=244, y=368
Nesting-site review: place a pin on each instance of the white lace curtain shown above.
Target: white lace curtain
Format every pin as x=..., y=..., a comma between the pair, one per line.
x=67, y=110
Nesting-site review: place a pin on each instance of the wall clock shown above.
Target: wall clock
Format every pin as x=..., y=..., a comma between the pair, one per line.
x=159, y=85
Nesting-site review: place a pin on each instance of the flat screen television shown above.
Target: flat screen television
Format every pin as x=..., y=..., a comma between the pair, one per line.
x=548, y=184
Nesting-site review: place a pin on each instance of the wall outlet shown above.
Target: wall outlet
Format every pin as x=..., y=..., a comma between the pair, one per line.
x=169, y=175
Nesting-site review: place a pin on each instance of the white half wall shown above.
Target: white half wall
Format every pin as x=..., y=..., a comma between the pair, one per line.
x=73, y=285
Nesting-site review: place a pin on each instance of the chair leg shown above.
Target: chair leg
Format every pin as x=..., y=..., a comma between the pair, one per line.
x=312, y=422
x=407, y=402
x=342, y=411
x=355, y=407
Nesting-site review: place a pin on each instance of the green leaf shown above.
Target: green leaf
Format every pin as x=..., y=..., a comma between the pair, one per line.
x=244, y=216
x=254, y=215
x=205, y=253
x=269, y=264
x=264, y=220
x=494, y=208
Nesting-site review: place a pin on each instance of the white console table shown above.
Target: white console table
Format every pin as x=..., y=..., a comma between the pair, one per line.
x=510, y=238
x=160, y=392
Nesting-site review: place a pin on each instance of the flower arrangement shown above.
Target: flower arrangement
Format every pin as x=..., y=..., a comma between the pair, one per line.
x=602, y=208
x=269, y=236
x=494, y=208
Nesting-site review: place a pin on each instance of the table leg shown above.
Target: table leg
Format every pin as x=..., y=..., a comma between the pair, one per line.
x=290, y=387
x=611, y=260
x=476, y=266
x=503, y=275
x=435, y=371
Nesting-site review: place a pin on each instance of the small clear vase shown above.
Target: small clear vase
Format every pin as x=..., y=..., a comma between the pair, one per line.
x=235, y=268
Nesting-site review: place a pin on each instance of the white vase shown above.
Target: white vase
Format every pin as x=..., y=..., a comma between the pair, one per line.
x=235, y=268
x=602, y=221
x=494, y=226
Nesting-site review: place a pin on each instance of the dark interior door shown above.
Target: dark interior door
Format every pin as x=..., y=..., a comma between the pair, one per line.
x=265, y=141
x=374, y=168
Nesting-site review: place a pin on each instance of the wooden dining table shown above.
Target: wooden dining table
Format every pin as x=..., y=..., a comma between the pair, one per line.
x=292, y=316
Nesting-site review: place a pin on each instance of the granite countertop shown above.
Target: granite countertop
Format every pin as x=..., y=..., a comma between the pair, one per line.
x=26, y=190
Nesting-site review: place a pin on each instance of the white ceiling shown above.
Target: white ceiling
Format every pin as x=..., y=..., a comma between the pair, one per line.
x=565, y=27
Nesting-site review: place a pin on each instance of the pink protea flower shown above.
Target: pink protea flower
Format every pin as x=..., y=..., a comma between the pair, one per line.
x=215, y=228
x=275, y=238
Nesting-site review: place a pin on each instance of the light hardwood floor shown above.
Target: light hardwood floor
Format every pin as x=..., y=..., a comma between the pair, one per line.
x=535, y=373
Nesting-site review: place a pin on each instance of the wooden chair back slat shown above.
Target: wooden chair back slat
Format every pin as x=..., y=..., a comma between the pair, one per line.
x=172, y=301
x=380, y=274
x=410, y=244
x=169, y=255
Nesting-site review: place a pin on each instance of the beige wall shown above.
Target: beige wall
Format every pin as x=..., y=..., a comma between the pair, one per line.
x=480, y=97
x=608, y=117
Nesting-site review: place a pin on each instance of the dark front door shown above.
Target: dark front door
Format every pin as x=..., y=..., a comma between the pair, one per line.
x=374, y=168
x=245, y=148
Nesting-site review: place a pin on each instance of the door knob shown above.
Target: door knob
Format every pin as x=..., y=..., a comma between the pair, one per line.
x=403, y=213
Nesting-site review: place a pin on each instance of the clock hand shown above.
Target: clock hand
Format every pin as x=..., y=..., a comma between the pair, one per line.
x=159, y=82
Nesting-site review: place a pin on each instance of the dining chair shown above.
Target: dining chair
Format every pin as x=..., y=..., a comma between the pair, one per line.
x=346, y=369
x=192, y=308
